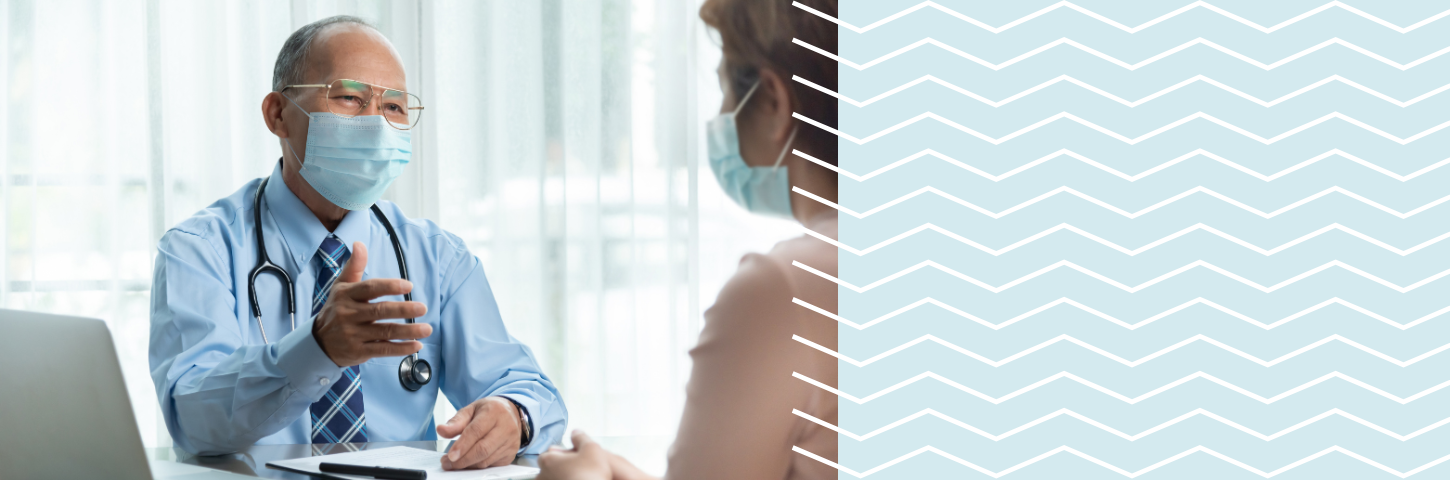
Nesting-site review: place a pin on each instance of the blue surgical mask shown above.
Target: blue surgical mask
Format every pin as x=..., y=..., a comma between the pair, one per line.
x=351, y=161
x=762, y=190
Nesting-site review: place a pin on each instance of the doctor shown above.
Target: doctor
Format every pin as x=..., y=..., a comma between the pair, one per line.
x=344, y=368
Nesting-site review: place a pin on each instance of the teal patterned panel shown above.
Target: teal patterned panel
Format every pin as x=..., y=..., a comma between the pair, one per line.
x=1144, y=239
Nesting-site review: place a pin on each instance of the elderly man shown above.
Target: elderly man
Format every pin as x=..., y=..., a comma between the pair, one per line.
x=378, y=334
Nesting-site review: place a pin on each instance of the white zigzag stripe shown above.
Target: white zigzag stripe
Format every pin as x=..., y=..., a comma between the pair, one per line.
x=1119, y=136
x=1120, y=248
x=1104, y=93
x=1114, y=209
x=1131, y=178
x=1115, y=358
x=1119, y=396
x=1122, y=286
x=1094, y=15
x=1109, y=466
x=1104, y=427
x=1120, y=63
x=1115, y=320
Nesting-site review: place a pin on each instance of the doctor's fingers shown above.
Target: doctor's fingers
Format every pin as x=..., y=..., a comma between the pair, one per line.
x=390, y=349
x=362, y=312
x=490, y=448
x=454, y=426
x=474, y=432
x=377, y=332
x=371, y=288
x=498, y=449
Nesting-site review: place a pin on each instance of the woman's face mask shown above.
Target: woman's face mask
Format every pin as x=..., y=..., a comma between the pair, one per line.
x=761, y=190
x=352, y=161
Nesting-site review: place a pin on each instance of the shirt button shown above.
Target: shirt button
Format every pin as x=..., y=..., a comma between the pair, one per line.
x=322, y=381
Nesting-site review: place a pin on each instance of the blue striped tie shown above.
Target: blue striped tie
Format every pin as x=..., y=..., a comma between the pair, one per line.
x=338, y=417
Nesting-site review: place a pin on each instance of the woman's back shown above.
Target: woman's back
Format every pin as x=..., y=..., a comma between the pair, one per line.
x=747, y=415
x=739, y=420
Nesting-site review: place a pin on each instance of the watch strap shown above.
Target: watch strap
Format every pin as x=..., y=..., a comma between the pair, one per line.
x=526, y=435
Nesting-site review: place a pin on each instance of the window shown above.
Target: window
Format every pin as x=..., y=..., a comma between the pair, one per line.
x=561, y=141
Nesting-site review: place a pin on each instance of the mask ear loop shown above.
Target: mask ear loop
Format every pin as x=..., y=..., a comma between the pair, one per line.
x=293, y=150
x=744, y=99
x=289, y=140
x=781, y=159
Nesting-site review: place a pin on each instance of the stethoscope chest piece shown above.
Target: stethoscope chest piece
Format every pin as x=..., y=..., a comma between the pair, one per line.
x=414, y=372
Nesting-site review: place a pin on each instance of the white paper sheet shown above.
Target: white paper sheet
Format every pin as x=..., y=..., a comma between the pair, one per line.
x=406, y=457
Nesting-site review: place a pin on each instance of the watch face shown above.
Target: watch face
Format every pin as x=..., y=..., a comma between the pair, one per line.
x=528, y=423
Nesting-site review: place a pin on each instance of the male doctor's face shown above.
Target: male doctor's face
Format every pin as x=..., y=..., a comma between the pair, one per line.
x=343, y=51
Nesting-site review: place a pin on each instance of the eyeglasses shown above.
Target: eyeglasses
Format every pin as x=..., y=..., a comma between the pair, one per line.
x=350, y=98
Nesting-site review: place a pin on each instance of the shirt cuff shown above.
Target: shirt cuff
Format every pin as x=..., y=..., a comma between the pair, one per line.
x=308, y=369
x=530, y=405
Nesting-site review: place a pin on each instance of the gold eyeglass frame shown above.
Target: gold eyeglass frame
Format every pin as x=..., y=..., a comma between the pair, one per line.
x=327, y=94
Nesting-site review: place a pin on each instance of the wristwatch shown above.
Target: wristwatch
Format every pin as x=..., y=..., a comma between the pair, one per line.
x=527, y=435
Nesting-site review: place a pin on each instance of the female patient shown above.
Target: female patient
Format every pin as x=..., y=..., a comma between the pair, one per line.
x=738, y=421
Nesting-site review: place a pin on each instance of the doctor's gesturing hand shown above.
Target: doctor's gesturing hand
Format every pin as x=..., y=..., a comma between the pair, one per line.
x=347, y=327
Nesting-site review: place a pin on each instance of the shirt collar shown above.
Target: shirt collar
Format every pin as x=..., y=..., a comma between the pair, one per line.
x=301, y=229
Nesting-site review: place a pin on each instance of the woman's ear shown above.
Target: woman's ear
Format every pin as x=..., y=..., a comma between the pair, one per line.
x=776, y=105
x=272, y=107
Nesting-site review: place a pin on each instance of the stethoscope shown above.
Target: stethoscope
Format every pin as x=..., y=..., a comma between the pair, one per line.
x=413, y=373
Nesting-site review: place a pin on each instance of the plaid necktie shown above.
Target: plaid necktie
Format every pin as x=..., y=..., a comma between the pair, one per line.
x=338, y=417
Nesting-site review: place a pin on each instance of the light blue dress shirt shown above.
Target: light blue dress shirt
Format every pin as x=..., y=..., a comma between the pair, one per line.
x=222, y=388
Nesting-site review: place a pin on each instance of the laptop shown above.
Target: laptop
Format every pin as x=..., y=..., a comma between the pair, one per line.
x=64, y=411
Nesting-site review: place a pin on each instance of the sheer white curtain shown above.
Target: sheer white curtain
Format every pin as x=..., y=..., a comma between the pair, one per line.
x=561, y=141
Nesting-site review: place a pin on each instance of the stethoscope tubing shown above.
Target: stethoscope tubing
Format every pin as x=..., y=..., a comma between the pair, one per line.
x=265, y=265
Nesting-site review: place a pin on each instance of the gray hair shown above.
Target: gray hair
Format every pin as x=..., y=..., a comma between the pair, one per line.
x=292, y=60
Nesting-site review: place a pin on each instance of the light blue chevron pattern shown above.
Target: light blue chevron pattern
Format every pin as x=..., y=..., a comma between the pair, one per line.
x=1097, y=239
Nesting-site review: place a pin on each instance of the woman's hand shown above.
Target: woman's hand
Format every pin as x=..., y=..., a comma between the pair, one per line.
x=587, y=461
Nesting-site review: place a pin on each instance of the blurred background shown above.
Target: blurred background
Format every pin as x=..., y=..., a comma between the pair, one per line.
x=562, y=140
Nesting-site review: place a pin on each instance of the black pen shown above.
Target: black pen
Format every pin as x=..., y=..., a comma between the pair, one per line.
x=384, y=473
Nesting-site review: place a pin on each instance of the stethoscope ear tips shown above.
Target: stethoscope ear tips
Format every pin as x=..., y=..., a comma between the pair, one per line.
x=414, y=372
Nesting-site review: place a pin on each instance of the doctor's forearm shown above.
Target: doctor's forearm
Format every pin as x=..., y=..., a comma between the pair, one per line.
x=255, y=392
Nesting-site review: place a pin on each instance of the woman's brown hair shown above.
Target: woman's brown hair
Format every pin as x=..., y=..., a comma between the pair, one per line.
x=758, y=34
